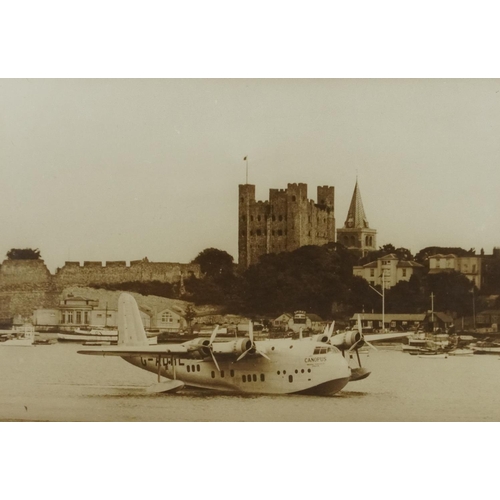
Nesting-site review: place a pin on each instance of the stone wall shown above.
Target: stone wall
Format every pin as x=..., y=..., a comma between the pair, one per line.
x=26, y=285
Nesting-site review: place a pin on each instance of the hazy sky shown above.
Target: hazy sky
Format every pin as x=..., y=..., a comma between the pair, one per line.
x=123, y=169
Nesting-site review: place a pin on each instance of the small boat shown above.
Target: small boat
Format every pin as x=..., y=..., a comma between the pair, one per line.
x=461, y=352
x=89, y=336
x=25, y=338
x=434, y=355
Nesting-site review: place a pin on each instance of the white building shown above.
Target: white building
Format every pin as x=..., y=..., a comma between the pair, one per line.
x=469, y=265
x=388, y=269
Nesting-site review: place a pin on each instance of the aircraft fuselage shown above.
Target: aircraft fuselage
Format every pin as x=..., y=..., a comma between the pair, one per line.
x=293, y=367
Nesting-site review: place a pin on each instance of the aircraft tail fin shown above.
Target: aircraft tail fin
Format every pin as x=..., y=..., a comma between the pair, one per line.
x=130, y=328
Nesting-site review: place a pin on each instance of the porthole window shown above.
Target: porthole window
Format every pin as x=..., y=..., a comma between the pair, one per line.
x=291, y=347
x=279, y=373
x=213, y=374
x=272, y=348
x=231, y=373
x=308, y=370
x=296, y=371
x=302, y=371
x=244, y=378
x=290, y=378
x=284, y=372
x=222, y=374
x=188, y=368
x=262, y=377
x=198, y=368
x=254, y=377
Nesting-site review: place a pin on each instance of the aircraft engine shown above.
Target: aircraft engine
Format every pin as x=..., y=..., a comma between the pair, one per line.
x=346, y=340
x=238, y=346
x=323, y=338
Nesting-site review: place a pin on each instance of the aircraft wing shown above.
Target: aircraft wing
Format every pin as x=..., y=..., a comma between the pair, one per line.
x=163, y=350
x=373, y=337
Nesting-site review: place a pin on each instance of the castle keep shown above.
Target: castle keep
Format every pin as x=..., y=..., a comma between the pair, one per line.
x=284, y=223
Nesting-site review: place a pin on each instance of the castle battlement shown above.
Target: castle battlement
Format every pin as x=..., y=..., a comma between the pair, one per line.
x=26, y=285
x=291, y=221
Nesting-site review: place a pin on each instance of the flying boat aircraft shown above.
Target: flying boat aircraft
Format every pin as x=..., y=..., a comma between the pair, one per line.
x=281, y=366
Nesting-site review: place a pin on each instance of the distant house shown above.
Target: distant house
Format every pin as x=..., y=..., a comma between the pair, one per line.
x=371, y=322
x=299, y=319
x=170, y=321
x=488, y=319
x=388, y=269
x=403, y=322
x=437, y=321
x=469, y=265
x=76, y=310
x=281, y=322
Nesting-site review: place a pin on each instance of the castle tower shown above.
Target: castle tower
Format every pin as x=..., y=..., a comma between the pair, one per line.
x=286, y=222
x=356, y=234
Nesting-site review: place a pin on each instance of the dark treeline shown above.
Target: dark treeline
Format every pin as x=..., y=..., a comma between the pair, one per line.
x=319, y=280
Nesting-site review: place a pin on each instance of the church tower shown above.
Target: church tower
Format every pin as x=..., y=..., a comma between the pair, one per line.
x=356, y=234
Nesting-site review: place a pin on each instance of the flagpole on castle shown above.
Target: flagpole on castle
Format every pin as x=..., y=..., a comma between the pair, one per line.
x=246, y=160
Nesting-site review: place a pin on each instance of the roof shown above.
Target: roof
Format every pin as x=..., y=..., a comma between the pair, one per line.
x=356, y=217
x=442, y=256
x=390, y=317
x=490, y=311
x=408, y=263
x=445, y=318
x=314, y=317
x=369, y=265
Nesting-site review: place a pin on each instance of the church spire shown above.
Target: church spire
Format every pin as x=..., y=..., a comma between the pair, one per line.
x=356, y=217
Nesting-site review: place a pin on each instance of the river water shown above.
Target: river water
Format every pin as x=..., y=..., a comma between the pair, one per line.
x=54, y=383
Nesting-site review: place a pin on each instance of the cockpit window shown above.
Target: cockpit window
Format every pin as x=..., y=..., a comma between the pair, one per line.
x=321, y=350
x=324, y=349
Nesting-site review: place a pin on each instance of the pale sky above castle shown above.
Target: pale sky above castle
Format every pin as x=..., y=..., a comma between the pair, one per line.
x=123, y=169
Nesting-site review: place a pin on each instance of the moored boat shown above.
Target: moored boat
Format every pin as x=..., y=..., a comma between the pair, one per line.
x=434, y=355
x=24, y=338
x=461, y=352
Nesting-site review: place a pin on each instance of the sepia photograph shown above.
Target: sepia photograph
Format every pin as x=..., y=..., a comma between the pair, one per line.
x=249, y=249
x=277, y=250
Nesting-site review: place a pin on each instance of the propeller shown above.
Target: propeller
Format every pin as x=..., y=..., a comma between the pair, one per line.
x=252, y=345
x=210, y=348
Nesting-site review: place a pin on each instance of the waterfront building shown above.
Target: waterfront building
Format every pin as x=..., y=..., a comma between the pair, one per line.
x=80, y=312
x=356, y=234
x=298, y=320
x=289, y=220
x=387, y=271
x=429, y=321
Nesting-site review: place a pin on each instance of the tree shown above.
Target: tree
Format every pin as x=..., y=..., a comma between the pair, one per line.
x=189, y=315
x=425, y=253
x=214, y=262
x=24, y=254
x=452, y=292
